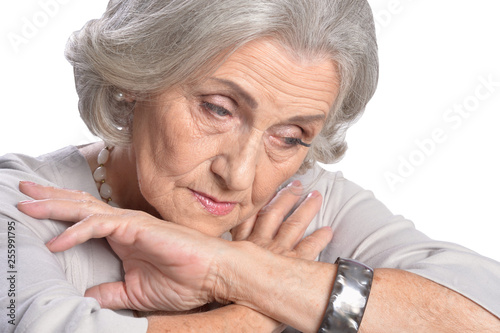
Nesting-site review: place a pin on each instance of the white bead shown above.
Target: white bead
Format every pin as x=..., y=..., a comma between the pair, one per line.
x=105, y=191
x=119, y=96
x=100, y=174
x=103, y=156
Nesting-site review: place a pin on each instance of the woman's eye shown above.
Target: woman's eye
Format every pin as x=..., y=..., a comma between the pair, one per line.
x=295, y=142
x=218, y=110
x=288, y=136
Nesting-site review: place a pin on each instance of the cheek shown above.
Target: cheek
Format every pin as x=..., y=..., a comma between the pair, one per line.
x=269, y=177
x=172, y=151
x=167, y=140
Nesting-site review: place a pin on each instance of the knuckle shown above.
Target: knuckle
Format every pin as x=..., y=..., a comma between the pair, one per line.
x=83, y=195
x=277, y=249
x=309, y=248
x=258, y=241
x=89, y=207
x=264, y=210
x=271, y=212
x=86, y=195
x=295, y=224
x=86, y=204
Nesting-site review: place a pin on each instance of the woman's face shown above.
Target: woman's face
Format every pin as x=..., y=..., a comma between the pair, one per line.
x=211, y=154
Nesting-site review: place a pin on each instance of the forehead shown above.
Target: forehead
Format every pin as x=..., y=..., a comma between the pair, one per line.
x=270, y=73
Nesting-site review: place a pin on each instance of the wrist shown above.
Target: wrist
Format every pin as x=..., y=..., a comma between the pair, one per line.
x=231, y=270
x=290, y=290
x=349, y=297
x=228, y=271
x=246, y=271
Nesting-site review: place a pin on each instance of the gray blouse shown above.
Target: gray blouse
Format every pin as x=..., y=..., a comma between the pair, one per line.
x=47, y=294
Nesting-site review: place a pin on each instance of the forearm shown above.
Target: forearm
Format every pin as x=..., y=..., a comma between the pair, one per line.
x=296, y=292
x=292, y=291
x=231, y=318
x=401, y=301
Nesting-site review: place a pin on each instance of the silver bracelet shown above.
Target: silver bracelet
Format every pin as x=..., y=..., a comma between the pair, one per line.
x=349, y=297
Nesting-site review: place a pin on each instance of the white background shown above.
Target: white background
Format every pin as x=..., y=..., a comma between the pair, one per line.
x=433, y=55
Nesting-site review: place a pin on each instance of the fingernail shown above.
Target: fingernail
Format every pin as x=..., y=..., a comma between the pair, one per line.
x=295, y=183
x=25, y=201
x=27, y=183
x=51, y=241
x=313, y=194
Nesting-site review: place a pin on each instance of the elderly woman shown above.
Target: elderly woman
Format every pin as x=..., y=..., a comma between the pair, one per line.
x=207, y=109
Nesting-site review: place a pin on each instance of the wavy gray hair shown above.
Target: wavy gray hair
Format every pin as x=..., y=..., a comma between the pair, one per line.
x=146, y=46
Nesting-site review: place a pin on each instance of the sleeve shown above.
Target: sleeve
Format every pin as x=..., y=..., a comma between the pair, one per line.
x=38, y=297
x=365, y=230
x=36, y=294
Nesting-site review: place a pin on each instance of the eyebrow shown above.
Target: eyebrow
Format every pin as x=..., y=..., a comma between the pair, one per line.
x=253, y=103
x=308, y=119
x=240, y=91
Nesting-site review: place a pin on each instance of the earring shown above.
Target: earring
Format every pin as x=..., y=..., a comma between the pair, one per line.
x=119, y=96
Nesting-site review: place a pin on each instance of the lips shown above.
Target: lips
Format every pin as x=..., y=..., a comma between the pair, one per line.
x=213, y=206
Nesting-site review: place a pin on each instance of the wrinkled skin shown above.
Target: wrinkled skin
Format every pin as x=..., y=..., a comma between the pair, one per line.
x=230, y=138
x=182, y=263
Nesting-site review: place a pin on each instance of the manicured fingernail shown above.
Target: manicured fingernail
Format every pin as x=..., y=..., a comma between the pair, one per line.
x=27, y=183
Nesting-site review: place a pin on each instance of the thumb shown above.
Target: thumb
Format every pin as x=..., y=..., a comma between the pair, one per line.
x=110, y=295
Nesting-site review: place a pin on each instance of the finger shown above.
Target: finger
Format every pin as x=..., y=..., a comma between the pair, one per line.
x=311, y=246
x=292, y=230
x=112, y=295
x=243, y=230
x=64, y=209
x=271, y=216
x=93, y=226
x=39, y=192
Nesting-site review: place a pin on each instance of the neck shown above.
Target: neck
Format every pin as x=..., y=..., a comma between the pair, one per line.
x=121, y=176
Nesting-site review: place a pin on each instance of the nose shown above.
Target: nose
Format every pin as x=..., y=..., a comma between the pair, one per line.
x=237, y=162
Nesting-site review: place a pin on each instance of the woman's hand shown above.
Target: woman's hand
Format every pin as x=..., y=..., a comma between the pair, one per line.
x=269, y=230
x=162, y=256
x=157, y=255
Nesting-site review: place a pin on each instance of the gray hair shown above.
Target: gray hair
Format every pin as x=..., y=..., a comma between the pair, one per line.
x=144, y=47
